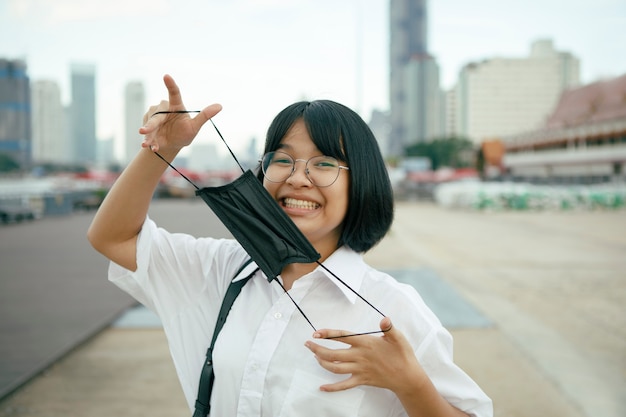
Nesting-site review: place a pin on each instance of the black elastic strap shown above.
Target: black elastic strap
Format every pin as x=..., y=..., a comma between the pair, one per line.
x=207, y=377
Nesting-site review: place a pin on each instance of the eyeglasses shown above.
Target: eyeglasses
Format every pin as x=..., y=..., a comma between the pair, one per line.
x=322, y=171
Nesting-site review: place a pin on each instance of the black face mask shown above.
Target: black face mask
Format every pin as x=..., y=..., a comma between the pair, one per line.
x=261, y=227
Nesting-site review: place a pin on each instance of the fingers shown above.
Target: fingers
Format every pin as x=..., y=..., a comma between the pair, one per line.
x=328, y=355
x=175, y=98
x=386, y=325
x=332, y=334
x=173, y=128
x=344, y=335
x=340, y=386
x=150, y=123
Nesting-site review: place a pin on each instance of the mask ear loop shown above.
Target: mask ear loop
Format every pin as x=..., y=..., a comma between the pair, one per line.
x=279, y=283
x=216, y=129
x=347, y=286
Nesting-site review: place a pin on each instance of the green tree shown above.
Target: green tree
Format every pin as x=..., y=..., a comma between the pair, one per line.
x=450, y=152
x=8, y=163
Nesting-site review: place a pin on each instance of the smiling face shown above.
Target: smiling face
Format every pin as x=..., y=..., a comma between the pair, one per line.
x=317, y=211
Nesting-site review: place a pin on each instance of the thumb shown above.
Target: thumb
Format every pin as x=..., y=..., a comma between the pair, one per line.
x=206, y=113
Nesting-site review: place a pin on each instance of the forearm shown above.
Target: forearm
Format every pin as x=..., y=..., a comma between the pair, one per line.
x=115, y=227
x=420, y=398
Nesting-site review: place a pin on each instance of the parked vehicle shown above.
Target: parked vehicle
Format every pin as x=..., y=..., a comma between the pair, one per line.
x=15, y=214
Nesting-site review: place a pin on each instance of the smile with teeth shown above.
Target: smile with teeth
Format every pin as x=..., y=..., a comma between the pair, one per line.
x=301, y=204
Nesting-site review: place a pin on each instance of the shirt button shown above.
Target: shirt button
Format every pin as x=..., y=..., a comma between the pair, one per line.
x=278, y=315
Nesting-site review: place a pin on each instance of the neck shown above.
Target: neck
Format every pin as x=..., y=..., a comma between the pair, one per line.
x=292, y=272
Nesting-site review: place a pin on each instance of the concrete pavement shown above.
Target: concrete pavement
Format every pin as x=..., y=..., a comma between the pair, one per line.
x=552, y=285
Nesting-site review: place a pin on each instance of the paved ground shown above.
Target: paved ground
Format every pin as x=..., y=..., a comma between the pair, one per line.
x=551, y=284
x=52, y=294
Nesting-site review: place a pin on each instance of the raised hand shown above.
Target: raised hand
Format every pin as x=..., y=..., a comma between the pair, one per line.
x=173, y=130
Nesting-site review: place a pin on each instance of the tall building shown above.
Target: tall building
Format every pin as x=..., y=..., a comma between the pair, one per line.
x=379, y=124
x=414, y=94
x=503, y=96
x=450, y=129
x=423, y=118
x=15, y=129
x=135, y=108
x=83, y=113
x=51, y=143
x=105, y=151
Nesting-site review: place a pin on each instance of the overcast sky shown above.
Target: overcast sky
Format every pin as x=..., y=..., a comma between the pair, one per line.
x=257, y=56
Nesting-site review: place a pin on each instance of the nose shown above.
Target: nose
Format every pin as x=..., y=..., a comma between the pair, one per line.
x=300, y=177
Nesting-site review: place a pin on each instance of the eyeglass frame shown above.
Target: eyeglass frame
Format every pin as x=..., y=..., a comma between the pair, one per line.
x=306, y=168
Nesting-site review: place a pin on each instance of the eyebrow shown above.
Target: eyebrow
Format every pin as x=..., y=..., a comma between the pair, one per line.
x=284, y=146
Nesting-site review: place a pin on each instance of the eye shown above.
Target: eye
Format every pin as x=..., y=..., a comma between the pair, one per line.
x=280, y=158
x=325, y=162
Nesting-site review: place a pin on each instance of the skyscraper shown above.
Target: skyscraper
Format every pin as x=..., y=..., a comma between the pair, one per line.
x=83, y=113
x=414, y=93
x=15, y=129
x=51, y=143
x=135, y=107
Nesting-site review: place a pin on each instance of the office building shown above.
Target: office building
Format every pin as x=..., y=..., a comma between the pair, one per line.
x=414, y=92
x=50, y=141
x=83, y=113
x=135, y=108
x=503, y=96
x=15, y=128
x=105, y=151
x=424, y=105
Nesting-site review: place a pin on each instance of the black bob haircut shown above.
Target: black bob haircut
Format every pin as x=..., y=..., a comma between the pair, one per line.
x=339, y=132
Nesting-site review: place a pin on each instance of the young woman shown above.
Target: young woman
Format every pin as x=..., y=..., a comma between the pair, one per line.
x=323, y=167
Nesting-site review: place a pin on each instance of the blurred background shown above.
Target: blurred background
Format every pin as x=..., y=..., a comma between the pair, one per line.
x=483, y=107
x=530, y=92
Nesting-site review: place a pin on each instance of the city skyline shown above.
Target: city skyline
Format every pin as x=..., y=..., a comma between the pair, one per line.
x=256, y=57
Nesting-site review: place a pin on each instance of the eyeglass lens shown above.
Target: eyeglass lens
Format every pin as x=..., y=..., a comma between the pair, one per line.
x=320, y=170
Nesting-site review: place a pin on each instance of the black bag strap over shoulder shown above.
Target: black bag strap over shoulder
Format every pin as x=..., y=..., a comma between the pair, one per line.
x=207, y=377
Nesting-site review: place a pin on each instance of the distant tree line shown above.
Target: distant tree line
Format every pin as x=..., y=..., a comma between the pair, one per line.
x=453, y=152
x=8, y=163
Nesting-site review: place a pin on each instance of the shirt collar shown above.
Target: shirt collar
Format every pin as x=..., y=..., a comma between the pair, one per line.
x=245, y=272
x=345, y=263
x=349, y=266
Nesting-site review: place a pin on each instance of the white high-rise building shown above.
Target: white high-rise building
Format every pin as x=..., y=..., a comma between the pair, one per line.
x=50, y=140
x=450, y=123
x=83, y=113
x=135, y=108
x=504, y=96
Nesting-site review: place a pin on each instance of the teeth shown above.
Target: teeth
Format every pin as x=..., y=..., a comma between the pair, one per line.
x=293, y=203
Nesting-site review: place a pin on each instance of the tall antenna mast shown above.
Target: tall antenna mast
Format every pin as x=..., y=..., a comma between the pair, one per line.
x=359, y=57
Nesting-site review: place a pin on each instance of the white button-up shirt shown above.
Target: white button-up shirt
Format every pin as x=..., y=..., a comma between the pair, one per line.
x=262, y=367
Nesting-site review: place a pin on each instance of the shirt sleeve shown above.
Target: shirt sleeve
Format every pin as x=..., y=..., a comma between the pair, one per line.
x=175, y=270
x=450, y=380
x=434, y=350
